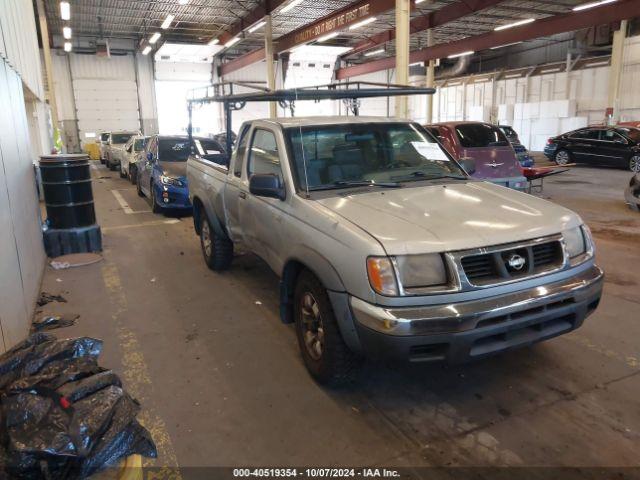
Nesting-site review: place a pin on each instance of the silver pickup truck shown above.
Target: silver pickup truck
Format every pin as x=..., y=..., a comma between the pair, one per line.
x=385, y=246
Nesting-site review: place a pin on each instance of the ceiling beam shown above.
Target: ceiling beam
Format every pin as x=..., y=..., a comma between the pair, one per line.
x=254, y=16
x=433, y=19
x=334, y=22
x=540, y=28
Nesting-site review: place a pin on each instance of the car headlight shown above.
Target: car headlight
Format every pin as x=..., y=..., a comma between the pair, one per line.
x=170, y=181
x=578, y=241
x=393, y=276
x=420, y=271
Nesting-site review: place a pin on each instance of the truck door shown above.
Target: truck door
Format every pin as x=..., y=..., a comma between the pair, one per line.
x=263, y=225
x=237, y=189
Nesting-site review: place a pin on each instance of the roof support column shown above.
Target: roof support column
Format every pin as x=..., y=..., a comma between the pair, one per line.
x=403, y=8
x=431, y=76
x=268, y=54
x=615, y=73
x=46, y=51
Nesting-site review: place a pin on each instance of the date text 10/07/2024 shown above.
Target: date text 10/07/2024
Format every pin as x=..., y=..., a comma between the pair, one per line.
x=315, y=472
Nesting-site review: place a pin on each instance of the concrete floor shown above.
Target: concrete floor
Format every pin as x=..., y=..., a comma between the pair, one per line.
x=222, y=383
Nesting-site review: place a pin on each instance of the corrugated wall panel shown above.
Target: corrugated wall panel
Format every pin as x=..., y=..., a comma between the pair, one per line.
x=19, y=42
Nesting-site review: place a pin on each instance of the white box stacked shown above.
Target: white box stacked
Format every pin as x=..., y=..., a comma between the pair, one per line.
x=536, y=122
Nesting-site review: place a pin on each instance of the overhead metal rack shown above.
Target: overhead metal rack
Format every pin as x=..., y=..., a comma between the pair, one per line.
x=349, y=92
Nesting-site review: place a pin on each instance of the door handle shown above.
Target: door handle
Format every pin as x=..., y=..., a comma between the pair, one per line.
x=242, y=195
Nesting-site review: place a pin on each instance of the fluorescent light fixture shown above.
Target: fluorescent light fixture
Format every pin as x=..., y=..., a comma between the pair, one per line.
x=257, y=26
x=66, y=32
x=213, y=42
x=154, y=38
x=597, y=64
x=146, y=50
x=183, y=2
x=167, y=21
x=374, y=52
x=361, y=23
x=550, y=70
x=415, y=63
x=505, y=45
x=463, y=54
x=513, y=75
x=65, y=11
x=232, y=42
x=67, y=46
x=328, y=36
x=514, y=24
x=586, y=6
x=418, y=1
x=290, y=6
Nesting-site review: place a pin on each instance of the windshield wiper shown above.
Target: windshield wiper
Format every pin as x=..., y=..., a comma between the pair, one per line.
x=418, y=175
x=356, y=183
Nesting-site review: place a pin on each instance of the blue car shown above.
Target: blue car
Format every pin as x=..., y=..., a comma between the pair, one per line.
x=162, y=173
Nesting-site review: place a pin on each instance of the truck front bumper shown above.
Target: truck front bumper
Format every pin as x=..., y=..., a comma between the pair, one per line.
x=460, y=332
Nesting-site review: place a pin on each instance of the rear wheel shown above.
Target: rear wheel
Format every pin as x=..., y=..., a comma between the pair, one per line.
x=634, y=164
x=562, y=157
x=326, y=356
x=132, y=174
x=216, y=250
x=123, y=174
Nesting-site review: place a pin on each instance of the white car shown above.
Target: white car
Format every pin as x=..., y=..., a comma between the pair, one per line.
x=104, y=141
x=131, y=154
x=114, y=149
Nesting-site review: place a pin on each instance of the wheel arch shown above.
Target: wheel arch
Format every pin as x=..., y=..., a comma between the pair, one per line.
x=315, y=263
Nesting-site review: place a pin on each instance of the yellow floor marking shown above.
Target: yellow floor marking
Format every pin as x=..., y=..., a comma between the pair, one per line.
x=170, y=221
x=630, y=360
x=138, y=381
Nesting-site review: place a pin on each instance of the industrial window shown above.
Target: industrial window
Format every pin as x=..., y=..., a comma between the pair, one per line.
x=263, y=156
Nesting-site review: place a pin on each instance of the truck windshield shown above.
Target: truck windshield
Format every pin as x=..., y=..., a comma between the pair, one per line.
x=480, y=135
x=365, y=154
x=118, y=138
x=104, y=137
x=173, y=149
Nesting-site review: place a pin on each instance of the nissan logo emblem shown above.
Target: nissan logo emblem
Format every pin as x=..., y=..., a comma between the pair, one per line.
x=517, y=262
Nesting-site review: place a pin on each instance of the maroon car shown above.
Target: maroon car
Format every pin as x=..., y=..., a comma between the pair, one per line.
x=486, y=144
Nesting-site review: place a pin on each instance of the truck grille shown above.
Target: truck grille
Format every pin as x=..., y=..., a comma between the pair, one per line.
x=511, y=264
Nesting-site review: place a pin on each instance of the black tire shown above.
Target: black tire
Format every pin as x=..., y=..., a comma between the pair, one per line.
x=122, y=174
x=133, y=173
x=216, y=250
x=335, y=364
x=138, y=189
x=155, y=208
x=563, y=157
x=102, y=160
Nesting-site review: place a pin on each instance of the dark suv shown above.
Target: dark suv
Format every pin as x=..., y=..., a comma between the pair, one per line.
x=598, y=146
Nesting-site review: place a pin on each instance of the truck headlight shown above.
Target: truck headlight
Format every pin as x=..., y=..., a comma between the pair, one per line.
x=577, y=241
x=382, y=276
x=170, y=181
x=419, y=271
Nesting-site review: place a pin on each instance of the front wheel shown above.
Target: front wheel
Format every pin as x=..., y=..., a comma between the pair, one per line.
x=132, y=174
x=634, y=164
x=326, y=356
x=123, y=174
x=562, y=157
x=216, y=250
x=155, y=208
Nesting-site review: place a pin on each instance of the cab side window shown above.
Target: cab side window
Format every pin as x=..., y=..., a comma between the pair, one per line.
x=240, y=151
x=264, y=157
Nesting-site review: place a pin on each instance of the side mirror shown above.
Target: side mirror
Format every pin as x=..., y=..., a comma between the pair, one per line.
x=469, y=165
x=267, y=185
x=149, y=157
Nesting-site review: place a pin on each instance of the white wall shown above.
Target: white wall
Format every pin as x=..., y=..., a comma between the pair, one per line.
x=22, y=253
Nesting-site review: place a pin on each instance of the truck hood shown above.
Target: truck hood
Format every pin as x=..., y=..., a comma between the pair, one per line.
x=456, y=216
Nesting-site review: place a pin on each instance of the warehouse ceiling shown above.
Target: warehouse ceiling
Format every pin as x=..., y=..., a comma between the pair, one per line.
x=201, y=20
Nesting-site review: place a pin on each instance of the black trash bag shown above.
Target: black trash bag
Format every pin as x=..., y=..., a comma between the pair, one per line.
x=53, y=322
x=57, y=374
x=28, y=357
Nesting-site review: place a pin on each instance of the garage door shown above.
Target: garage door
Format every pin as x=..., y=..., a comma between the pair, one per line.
x=105, y=94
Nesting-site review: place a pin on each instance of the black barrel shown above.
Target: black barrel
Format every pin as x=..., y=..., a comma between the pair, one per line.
x=66, y=182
